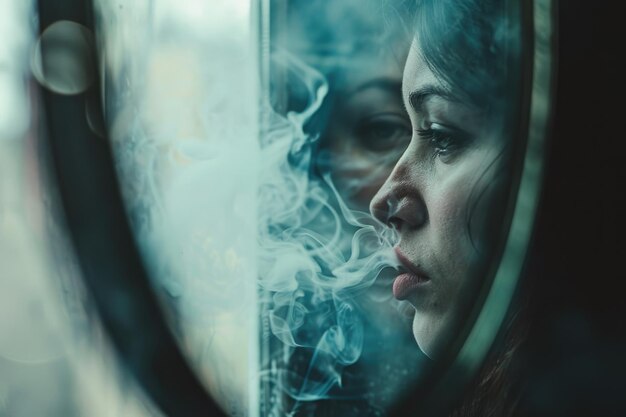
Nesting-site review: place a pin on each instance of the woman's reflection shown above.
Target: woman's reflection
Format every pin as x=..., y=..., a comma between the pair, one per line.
x=369, y=127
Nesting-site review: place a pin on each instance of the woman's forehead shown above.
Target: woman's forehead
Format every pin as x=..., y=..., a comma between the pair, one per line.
x=417, y=74
x=363, y=71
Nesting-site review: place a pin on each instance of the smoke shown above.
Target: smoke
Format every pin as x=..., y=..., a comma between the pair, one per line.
x=316, y=256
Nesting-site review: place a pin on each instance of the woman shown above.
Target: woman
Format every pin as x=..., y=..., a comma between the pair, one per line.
x=449, y=183
x=446, y=195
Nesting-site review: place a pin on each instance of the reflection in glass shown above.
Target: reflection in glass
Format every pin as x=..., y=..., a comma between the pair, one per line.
x=344, y=345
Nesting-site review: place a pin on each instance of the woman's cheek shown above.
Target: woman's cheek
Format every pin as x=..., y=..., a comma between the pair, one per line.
x=449, y=216
x=450, y=200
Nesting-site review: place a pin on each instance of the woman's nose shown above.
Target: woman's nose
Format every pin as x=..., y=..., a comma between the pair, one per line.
x=398, y=203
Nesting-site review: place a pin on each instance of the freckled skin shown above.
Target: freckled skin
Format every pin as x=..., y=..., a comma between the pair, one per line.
x=440, y=189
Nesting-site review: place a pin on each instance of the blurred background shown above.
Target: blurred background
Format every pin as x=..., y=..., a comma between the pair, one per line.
x=55, y=359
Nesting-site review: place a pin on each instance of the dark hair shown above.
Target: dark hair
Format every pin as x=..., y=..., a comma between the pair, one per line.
x=466, y=45
x=472, y=48
x=496, y=391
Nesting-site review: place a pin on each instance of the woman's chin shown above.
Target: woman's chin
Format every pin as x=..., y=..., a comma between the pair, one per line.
x=429, y=336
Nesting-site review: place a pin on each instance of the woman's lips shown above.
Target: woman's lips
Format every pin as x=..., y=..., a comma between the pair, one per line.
x=405, y=284
x=408, y=282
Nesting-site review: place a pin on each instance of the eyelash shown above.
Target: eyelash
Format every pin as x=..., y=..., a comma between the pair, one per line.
x=445, y=143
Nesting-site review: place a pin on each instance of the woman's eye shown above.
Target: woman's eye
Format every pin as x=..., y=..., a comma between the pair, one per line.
x=445, y=142
x=384, y=133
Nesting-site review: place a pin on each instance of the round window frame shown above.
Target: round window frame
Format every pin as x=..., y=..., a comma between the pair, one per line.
x=72, y=143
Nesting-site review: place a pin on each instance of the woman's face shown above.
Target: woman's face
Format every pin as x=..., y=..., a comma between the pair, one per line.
x=369, y=128
x=440, y=196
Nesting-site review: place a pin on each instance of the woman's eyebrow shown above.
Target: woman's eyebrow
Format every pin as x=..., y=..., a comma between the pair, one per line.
x=416, y=98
